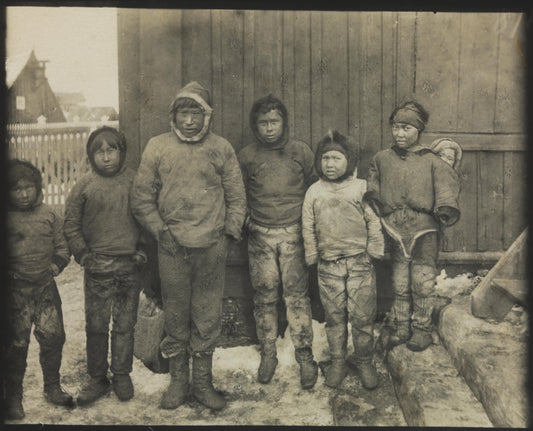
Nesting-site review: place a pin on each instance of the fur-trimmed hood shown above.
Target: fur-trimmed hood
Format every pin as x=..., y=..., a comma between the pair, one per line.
x=195, y=91
x=350, y=149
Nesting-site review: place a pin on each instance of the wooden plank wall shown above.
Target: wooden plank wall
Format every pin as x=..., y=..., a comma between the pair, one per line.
x=347, y=70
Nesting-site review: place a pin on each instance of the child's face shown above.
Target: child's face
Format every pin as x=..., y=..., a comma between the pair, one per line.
x=107, y=157
x=189, y=121
x=334, y=164
x=448, y=155
x=270, y=126
x=405, y=135
x=23, y=194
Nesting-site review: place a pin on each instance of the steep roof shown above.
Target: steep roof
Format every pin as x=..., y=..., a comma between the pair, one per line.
x=15, y=64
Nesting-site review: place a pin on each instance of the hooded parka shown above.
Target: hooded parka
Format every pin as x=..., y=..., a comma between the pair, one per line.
x=193, y=185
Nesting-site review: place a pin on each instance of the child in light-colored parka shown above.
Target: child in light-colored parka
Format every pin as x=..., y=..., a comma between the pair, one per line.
x=341, y=232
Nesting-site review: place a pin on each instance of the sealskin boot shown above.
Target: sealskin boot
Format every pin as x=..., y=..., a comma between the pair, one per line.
x=392, y=337
x=308, y=367
x=95, y=388
x=368, y=374
x=336, y=372
x=55, y=394
x=420, y=340
x=269, y=362
x=202, y=379
x=14, y=410
x=123, y=386
x=178, y=389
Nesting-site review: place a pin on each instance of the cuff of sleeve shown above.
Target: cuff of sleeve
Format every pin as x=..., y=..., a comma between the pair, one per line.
x=311, y=259
x=142, y=254
x=60, y=262
x=79, y=255
x=234, y=233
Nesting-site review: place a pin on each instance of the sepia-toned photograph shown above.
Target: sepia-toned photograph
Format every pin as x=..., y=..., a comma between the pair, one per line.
x=221, y=217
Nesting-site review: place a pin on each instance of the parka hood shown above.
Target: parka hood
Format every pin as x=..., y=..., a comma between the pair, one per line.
x=195, y=91
x=350, y=149
x=19, y=169
x=262, y=106
x=116, y=136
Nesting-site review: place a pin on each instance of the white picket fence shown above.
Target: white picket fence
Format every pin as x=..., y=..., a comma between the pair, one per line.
x=58, y=150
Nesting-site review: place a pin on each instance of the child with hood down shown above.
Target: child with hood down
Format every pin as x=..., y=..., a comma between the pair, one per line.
x=415, y=193
x=341, y=232
x=189, y=195
x=277, y=171
x=105, y=240
x=37, y=252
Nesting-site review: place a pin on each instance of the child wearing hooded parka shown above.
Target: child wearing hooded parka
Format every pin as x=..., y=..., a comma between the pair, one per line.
x=189, y=194
x=105, y=240
x=277, y=170
x=415, y=193
x=341, y=232
x=37, y=252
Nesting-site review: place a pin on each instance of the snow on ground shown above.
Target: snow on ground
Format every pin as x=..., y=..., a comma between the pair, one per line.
x=282, y=402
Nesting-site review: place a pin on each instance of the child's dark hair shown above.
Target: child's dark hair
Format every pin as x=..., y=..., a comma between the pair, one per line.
x=119, y=142
x=416, y=108
x=265, y=105
x=19, y=169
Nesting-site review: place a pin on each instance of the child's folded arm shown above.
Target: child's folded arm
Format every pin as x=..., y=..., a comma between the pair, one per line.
x=234, y=195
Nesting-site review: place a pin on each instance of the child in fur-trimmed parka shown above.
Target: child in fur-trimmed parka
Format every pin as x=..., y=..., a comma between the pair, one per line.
x=105, y=240
x=189, y=195
x=277, y=171
x=37, y=252
x=341, y=232
x=415, y=192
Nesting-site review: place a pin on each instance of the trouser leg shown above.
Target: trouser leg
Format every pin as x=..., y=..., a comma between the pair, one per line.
x=208, y=279
x=50, y=333
x=98, y=303
x=125, y=304
x=295, y=281
x=265, y=279
x=175, y=274
x=423, y=275
x=362, y=305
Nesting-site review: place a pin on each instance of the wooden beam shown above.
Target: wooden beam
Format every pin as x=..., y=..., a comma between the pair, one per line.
x=481, y=141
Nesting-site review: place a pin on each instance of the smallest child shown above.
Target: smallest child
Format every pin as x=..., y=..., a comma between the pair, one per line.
x=341, y=232
x=449, y=151
x=37, y=252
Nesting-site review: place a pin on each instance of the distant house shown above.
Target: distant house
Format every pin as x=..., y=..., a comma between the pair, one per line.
x=70, y=104
x=29, y=94
x=104, y=113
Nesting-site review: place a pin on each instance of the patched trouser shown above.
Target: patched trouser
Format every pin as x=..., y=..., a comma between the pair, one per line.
x=276, y=256
x=28, y=305
x=192, y=288
x=109, y=296
x=413, y=281
x=348, y=293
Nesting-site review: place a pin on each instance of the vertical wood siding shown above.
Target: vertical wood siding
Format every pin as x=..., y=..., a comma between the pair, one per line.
x=347, y=70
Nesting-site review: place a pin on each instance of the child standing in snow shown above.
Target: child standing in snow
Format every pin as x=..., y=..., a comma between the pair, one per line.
x=277, y=171
x=340, y=232
x=189, y=195
x=104, y=238
x=414, y=191
x=37, y=252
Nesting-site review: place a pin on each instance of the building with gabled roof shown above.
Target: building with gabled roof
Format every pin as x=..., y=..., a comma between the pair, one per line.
x=29, y=95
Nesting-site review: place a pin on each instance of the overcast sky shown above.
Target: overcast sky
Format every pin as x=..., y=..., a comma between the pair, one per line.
x=79, y=43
